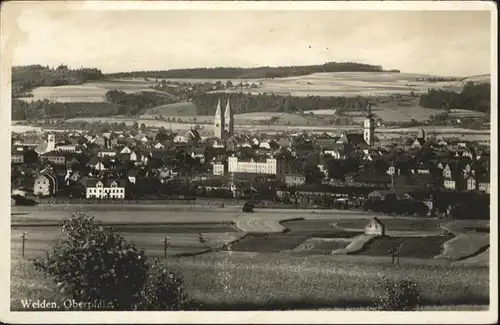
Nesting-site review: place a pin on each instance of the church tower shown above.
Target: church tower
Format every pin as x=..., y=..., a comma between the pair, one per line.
x=219, y=122
x=421, y=134
x=51, y=143
x=369, y=128
x=228, y=119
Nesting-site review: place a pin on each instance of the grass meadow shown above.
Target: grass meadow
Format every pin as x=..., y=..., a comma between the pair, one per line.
x=94, y=91
x=349, y=84
x=240, y=281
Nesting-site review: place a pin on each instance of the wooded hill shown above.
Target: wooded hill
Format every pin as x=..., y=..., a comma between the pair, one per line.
x=25, y=78
x=252, y=73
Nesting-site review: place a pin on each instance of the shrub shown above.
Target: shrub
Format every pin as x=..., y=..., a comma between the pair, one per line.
x=248, y=207
x=164, y=290
x=401, y=296
x=92, y=264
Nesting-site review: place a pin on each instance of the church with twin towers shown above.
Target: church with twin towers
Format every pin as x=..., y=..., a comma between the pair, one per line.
x=223, y=123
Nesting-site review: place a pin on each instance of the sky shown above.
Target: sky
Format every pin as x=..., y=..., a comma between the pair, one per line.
x=448, y=43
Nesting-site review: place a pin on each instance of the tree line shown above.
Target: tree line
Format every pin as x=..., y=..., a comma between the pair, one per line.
x=252, y=73
x=25, y=78
x=118, y=103
x=136, y=103
x=474, y=97
x=42, y=109
x=247, y=103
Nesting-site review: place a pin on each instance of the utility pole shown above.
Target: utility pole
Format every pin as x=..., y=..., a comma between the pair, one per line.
x=23, y=237
x=165, y=246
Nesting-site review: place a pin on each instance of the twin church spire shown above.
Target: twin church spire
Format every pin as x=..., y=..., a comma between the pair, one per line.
x=223, y=123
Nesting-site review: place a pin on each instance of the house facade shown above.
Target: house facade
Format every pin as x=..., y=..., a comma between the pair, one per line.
x=218, y=169
x=484, y=187
x=270, y=166
x=45, y=185
x=100, y=189
x=294, y=180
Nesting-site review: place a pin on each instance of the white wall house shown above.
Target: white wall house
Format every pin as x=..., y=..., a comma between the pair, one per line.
x=484, y=186
x=106, y=153
x=114, y=189
x=450, y=184
x=218, y=169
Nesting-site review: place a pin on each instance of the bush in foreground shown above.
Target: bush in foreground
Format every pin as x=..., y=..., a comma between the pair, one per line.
x=398, y=296
x=91, y=263
x=164, y=290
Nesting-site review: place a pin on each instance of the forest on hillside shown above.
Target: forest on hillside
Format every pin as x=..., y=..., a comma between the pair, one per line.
x=25, y=78
x=474, y=97
x=121, y=103
x=248, y=103
x=252, y=73
x=42, y=109
x=117, y=103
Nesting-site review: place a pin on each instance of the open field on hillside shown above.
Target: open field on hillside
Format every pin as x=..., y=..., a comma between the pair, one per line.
x=233, y=280
x=349, y=84
x=390, y=113
x=318, y=84
x=414, y=247
x=88, y=92
x=465, y=246
x=239, y=281
x=184, y=109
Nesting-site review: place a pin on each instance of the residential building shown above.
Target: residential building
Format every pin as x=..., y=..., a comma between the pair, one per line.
x=17, y=157
x=294, y=180
x=159, y=145
x=106, y=153
x=134, y=174
x=471, y=183
x=104, y=189
x=218, y=168
x=45, y=185
x=450, y=184
x=484, y=185
x=181, y=139
x=57, y=158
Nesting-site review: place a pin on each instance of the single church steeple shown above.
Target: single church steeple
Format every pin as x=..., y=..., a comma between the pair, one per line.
x=228, y=119
x=369, y=127
x=219, y=122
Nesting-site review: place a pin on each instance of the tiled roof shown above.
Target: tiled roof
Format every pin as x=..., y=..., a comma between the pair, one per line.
x=92, y=181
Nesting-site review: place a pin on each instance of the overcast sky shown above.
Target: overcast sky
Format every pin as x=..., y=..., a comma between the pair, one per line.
x=454, y=43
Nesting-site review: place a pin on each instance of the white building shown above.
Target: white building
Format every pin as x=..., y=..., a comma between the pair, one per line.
x=271, y=166
x=100, y=189
x=106, y=153
x=180, y=139
x=484, y=186
x=218, y=168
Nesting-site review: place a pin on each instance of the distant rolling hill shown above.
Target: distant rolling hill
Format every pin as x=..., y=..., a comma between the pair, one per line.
x=382, y=84
x=482, y=78
x=351, y=84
